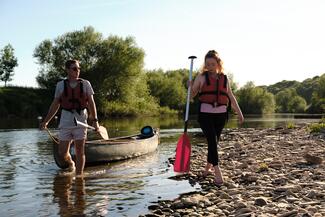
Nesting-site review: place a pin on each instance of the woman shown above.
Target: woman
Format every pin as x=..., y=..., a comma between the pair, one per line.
x=215, y=99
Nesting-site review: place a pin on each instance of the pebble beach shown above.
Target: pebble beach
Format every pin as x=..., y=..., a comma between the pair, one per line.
x=267, y=172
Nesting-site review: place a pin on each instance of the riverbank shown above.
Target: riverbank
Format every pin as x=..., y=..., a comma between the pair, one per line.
x=267, y=172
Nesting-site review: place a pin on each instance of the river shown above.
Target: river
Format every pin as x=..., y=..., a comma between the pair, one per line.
x=32, y=185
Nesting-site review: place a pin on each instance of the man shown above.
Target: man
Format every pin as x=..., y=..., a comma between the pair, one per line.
x=75, y=96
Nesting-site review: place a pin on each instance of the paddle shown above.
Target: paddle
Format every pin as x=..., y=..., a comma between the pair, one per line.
x=102, y=130
x=183, y=149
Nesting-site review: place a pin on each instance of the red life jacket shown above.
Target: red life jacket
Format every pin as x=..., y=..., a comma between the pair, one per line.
x=73, y=98
x=214, y=90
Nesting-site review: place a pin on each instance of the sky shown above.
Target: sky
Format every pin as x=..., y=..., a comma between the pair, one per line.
x=264, y=41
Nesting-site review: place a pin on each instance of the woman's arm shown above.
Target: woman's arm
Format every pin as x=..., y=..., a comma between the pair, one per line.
x=234, y=103
x=195, y=87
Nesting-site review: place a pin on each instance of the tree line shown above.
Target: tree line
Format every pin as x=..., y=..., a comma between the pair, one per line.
x=114, y=66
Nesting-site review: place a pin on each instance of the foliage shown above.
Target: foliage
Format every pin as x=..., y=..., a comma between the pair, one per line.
x=318, y=97
x=279, y=86
x=24, y=102
x=255, y=100
x=288, y=100
x=8, y=62
x=113, y=65
x=168, y=87
x=307, y=87
x=317, y=127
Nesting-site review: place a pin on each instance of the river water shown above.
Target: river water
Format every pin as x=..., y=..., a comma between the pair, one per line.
x=32, y=185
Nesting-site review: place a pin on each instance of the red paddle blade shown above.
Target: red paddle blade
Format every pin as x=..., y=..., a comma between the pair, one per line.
x=183, y=154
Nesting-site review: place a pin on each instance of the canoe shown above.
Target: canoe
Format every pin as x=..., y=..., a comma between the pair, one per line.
x=114, y=149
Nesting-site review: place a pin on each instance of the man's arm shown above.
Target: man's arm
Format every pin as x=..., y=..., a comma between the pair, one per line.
x=93, y=111
x=52, y=111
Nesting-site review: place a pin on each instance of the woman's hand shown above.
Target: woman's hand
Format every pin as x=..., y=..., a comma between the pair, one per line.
x=189, y=83
x=241, y=118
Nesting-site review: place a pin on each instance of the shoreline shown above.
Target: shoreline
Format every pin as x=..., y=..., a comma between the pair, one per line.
x=267, y=172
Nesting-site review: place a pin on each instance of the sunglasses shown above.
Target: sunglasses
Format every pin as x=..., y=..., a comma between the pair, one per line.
x=75, y=68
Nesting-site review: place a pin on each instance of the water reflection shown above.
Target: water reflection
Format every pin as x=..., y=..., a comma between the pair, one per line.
x=69, y=193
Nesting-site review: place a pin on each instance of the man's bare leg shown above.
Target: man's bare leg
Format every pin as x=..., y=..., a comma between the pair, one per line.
x=80, y=156
x=64, y=148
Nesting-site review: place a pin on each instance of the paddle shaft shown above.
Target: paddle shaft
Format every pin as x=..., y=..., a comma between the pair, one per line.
x=188, y=94
x=83, y=124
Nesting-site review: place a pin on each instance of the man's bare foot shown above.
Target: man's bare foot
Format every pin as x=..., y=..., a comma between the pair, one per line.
x=72, y=167
x=79, y=175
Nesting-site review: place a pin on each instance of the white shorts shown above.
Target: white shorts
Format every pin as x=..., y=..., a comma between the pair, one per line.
x=68, y=134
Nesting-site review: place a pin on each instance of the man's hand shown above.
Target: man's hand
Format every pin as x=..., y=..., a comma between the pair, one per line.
x=43, y=125
x=96, y=125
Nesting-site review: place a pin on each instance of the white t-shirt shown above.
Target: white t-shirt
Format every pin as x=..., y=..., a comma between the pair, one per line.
x=67, y=117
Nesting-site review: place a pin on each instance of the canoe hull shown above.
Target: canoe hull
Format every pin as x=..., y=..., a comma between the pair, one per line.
x=103, y=151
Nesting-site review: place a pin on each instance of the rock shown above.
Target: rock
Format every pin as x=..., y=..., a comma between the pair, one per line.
x=244, y=215
x=249, y=178
x=311, y=194
x=289, y=214
x=153, y=207
x=293, y=188
x=152, y=215
x=158, y=212
x=312, y=159
x=225, y=196
x=261, y=201
x=238, y=146
x=240, y=205
x=242, y=211
x=280, y=181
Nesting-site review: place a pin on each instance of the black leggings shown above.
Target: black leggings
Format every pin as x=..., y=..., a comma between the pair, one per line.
x=212, y=125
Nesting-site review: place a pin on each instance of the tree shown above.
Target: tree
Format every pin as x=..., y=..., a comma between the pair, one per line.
x=168, y=87
x=8, y=62
x=255, y=100
x=51, y=55
x=318, y=97
x=113, y=65
x=307, y=87
x=277, y=87
x=288, y=100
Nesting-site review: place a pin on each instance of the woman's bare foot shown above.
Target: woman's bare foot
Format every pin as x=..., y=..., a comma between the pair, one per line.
x=218, y=180
x=207, y=170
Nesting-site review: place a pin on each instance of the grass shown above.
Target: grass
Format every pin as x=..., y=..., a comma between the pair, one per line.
x=290, y=125
x=263, y=167
x=317, y=127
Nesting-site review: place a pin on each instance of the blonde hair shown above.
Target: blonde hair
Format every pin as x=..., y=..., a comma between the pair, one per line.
x=213, y=54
